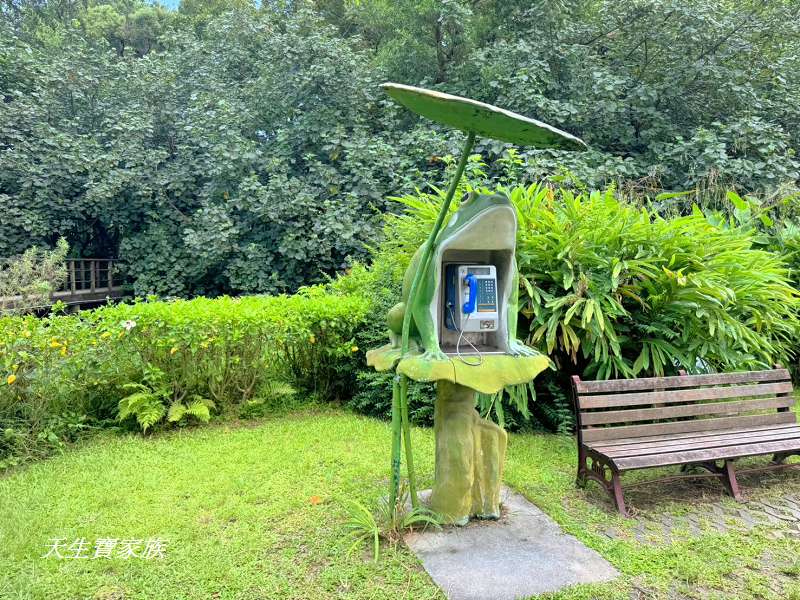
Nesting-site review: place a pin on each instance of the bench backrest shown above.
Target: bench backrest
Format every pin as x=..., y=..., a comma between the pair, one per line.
x=627, y=408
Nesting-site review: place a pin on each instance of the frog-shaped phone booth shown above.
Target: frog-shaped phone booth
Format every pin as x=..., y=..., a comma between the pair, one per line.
x=456, y=323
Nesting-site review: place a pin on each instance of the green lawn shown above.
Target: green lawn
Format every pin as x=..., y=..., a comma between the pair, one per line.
x=254, y=510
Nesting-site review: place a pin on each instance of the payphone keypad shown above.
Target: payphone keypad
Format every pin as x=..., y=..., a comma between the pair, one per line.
x=487, y=295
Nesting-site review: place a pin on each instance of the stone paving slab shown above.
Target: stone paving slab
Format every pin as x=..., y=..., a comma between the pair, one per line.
x=523, y=554
x=779, y=515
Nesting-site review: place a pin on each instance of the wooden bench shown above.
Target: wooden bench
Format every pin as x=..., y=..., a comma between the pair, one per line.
x=702, y=420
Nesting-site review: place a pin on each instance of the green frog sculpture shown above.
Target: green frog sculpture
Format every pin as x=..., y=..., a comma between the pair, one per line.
x=470, y=450
x=430, y=335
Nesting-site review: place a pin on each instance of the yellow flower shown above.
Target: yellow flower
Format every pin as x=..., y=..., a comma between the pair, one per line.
x=312, y=339
x=105, y=335
x=63, y=350
x=173, y=350
x=26, y=334
x=354, y=349
x=54, y=343
x=11, y=379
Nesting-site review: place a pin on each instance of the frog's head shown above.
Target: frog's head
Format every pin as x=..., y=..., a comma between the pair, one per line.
x=474, y=205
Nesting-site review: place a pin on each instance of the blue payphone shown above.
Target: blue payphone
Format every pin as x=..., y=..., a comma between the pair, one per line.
x=471, y=298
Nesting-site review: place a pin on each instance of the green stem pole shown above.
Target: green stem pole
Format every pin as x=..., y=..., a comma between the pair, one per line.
x=412, y=480
x=400, y=391
x=428, y=251
x=395, y=472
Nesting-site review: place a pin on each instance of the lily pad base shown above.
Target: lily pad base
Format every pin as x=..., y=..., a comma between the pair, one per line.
x=495, y=371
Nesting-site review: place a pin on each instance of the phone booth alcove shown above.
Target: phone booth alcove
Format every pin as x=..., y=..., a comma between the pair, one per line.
x=474, y=267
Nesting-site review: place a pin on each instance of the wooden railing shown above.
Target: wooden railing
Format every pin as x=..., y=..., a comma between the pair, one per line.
x=89, y=275
x=89, y=280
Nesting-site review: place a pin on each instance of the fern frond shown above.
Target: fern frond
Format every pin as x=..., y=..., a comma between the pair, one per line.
x=145, y=406
x=276, y=388
x=176, y=412
x=199, y=409
x=150, y=414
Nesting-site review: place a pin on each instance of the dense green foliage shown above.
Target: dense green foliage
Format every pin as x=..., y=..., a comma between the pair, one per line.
x=380, y=285
x=228, y=148
x=225, y=148
x=168, y=362
x=224, y=164
x=609, y=289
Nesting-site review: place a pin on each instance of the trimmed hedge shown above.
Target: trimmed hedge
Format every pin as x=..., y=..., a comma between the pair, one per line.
x=64, y=374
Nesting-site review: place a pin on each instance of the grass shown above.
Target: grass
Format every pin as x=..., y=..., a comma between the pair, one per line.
x=247, y=512
x=258, y=511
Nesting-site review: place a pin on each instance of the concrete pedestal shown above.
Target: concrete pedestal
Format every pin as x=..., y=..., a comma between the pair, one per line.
x=470, y=452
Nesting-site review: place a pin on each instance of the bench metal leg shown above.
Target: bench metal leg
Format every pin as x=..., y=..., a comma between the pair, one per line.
x=616, y=488
x=601, y=471
x=727, y=473
x=730, y=481
x=779, y=458
x=583, y=469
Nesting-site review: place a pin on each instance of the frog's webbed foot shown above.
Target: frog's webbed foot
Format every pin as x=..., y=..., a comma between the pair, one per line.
x=431, y=355
x=517, y=348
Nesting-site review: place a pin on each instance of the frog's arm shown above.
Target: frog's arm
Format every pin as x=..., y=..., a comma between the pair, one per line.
x=396, y=314
x=421, y=313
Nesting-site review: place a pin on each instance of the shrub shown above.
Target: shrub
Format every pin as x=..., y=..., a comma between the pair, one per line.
x=226, y=348
x=155, y=363
x=26, y=281
x=619, y=292
x=54, y=373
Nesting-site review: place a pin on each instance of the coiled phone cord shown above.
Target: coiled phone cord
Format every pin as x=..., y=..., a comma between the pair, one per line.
x=460, y=337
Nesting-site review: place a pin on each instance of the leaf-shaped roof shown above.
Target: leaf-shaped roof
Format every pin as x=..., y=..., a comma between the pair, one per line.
x=482, y=119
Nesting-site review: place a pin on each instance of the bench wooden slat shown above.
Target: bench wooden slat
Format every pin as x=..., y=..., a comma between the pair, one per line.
x=674, y=436
x=690, y=444
x=679, y=381
x=691, y=456
x=672, y=397
x=709, y=437
x=629, y=431
x=688, y=410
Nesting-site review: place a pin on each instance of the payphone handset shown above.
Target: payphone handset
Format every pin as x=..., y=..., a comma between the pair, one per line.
x=471, y=298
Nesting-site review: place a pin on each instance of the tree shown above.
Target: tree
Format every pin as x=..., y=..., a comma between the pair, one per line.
x=225, y=148
x=256, y=157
